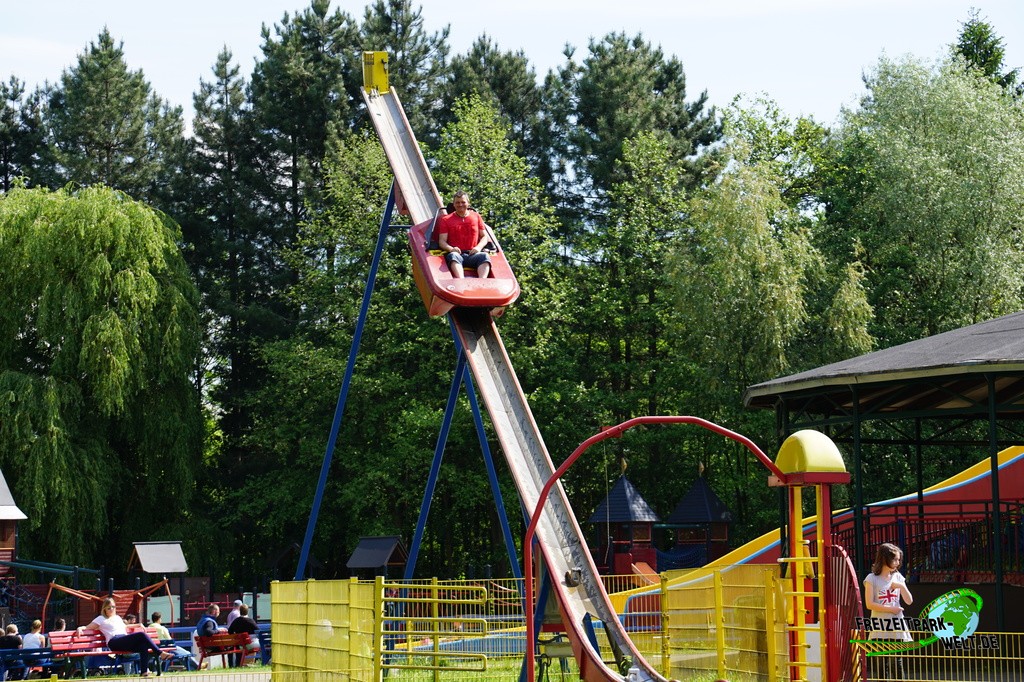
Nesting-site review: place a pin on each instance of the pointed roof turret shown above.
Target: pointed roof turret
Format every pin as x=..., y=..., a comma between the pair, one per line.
x=700, y=505
x=624, y=504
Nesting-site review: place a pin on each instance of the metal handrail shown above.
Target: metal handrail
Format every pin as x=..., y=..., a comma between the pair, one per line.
x=430, y=230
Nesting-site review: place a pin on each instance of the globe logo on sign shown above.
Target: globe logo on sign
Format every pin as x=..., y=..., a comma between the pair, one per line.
x=952, y=618
x=959, y=611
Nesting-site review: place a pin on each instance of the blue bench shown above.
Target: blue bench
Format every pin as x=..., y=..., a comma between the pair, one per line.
x=15, y=664
x=265, y=642
x=184, y=660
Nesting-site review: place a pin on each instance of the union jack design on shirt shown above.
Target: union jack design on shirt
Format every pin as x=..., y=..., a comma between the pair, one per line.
x=890, y=596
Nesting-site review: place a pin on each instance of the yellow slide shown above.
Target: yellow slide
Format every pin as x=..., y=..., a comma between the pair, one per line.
x=768, y=543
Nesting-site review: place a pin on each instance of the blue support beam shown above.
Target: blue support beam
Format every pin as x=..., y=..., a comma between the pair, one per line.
x=492, y=474
x=435, y=467
x=461, y=376
x=339, y=410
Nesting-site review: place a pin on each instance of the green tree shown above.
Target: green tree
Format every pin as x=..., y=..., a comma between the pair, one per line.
x=299, y=102
x=985, y=50
x=23, y=150
x=624, y=338
x=299, y=96
x=929, y=198
x=99, y=425
x=627, y=311
x=234, y=257
x=293, y=409
x=741, y=275
x=624, y=87
x=505, y=79
x=796, y=156
x=107, y=126
x=405, y=366
x=797, y=151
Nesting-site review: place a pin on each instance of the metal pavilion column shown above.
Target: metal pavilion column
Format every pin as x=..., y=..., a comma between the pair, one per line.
x=858, y=488
x=997, y=526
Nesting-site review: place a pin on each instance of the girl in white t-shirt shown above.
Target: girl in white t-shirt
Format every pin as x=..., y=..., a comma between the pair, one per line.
x=883, y=589
x=119, y=639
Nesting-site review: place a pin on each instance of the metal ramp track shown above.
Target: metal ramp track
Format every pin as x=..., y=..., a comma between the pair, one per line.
x=418, y=193
x=559, y=535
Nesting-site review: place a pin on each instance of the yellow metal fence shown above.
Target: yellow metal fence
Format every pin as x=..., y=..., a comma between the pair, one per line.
x=714, y=627
x=982, y=657
x=325, y=626
x=725, y=624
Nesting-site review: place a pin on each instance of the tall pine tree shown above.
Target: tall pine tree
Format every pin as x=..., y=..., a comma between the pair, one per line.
x=624, y=87
x=298, y=96
x=985, y=50
x=233, y=255
x=23, y=150
x=508, y=81
x=108, y=127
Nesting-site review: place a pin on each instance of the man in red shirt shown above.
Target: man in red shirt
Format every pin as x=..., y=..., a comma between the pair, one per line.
x=462, y=237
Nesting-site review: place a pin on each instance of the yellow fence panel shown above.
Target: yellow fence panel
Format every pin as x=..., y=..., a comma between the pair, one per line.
x=982, y=657
x=722, y=625
x=324, y=626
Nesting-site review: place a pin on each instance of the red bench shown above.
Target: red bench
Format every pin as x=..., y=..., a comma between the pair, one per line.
x=76, y=649
x=224, y=644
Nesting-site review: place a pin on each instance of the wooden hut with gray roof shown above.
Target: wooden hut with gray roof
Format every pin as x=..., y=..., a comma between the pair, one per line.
x=625, y=524
x=700, y=525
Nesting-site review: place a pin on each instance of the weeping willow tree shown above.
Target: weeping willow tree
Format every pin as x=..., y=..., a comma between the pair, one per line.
x=100, y=427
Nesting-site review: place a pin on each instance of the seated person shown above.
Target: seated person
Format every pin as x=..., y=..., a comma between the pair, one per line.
x=11, y=639
x=206, y=627
x=181, y=656
x=162, y=633
x=243, y=623
x=35, y=639
x=116, y=634
x=234, y=613
x=461, y=235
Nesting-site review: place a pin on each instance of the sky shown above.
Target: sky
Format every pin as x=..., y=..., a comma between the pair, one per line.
x=807, y=55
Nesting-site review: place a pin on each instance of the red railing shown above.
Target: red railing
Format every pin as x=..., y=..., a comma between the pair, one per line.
x=842, y=592
x=194, y=609
x=944, y=541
